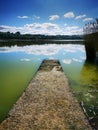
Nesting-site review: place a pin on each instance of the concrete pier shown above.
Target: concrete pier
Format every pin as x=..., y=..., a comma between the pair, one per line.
x=47, y=103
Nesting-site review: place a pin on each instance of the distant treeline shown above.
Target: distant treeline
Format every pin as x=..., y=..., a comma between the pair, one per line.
x=18, y=36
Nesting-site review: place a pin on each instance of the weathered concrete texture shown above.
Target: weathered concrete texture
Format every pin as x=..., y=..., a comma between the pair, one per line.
x=47, y=104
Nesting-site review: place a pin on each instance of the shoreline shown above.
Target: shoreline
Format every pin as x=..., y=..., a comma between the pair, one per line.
x=20, y=42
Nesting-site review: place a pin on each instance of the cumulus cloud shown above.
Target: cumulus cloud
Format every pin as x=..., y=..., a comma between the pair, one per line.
x=87, y=19
x=54, y=17
x=1, y=28
x=36, y=17
x=35, y=28
x=23, y=17
x=10, y=28
x=69, y=15
x=50, y=26
x=43, y=28
x=81, y=16
x=73, y=30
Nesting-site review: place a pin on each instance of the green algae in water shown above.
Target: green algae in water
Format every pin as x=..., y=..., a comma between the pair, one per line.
x=84, y=83
x=15, y=75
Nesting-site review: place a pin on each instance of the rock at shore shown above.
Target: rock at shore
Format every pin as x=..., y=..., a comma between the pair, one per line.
x=47, y=103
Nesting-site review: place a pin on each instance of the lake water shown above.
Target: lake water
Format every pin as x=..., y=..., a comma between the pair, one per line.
x=19, y=64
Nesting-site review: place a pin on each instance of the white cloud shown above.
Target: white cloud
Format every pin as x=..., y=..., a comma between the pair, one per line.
x=10, y=28
x=54, y=17
x=81, y=16
x=87, y=19
x=35, y=28
x=50, y=25
x=44, y=28
x=23, y=17
x=73, y=30
x=36, y=17
x=69, y=15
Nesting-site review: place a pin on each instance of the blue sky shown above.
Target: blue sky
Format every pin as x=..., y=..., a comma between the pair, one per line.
x=50, y=17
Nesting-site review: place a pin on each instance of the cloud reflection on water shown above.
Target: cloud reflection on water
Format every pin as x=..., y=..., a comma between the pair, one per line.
x=66, y=52
x=67, y=61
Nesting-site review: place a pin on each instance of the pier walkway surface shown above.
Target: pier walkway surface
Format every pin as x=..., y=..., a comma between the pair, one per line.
x=47, y=103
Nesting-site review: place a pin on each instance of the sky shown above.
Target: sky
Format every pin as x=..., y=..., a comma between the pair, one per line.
x=48, y=17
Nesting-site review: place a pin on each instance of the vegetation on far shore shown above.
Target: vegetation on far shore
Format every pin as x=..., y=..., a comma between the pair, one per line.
x=17, y=35
x=8, y=39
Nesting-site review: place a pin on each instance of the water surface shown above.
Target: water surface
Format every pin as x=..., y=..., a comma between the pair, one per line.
x=19, y=64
